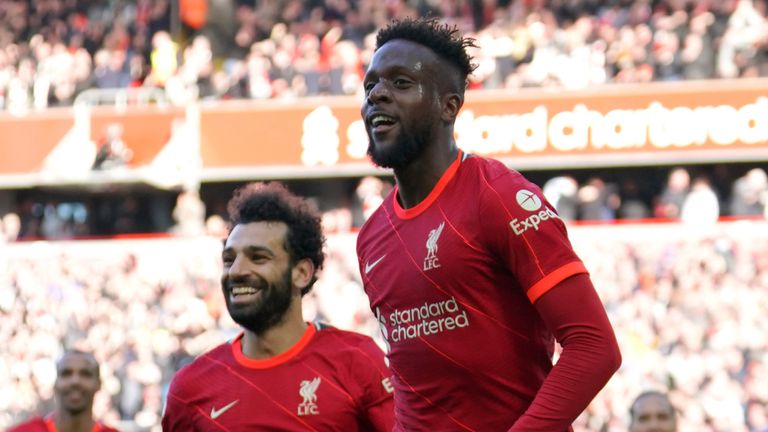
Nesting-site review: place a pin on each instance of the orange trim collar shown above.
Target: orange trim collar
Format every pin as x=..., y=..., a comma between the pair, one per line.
x=237, y=351
x=436, y=191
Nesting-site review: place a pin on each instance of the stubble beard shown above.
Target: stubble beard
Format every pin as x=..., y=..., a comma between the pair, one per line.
x=407, y=147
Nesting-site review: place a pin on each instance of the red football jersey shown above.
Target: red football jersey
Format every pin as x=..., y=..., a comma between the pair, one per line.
x=331, y=380
x=452, y=282
x=47, y=424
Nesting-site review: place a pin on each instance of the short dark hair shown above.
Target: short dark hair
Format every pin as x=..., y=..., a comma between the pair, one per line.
x=443, y=39
x=650, y=393
x=273, y=202
x=81, y=353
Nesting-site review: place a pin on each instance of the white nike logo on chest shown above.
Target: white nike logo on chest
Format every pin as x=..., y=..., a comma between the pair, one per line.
x=215, y=413
x=370, y=265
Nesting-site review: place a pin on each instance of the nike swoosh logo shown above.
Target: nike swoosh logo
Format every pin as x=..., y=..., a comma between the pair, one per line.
x=215, y=413
x=370, y=265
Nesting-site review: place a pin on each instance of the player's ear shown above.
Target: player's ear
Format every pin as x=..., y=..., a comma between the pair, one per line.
x=452, y=103
x=302, y=273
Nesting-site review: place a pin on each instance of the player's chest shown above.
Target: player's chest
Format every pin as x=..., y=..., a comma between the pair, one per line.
x=413, y=258
x=276, y=401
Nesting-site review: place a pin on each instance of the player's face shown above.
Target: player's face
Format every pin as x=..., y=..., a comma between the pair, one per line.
x=77, y=381
x=402, y=104
x=257, y=278
x=653, y=414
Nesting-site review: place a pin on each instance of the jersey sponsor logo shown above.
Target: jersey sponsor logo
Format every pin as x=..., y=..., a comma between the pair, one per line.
x=528, y=200
x=425, y=320
x=215, y=413
x=533, y=221
x=431, y=261
x=370, y=265
x=387, y=384
x=308, y=390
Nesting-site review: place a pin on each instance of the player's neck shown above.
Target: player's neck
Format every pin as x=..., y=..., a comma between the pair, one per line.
x=67, y=422
x=278, y=338
x=416, y=181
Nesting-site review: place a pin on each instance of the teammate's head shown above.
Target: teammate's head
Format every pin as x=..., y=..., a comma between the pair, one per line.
x=77, y=381
x=414, y=88
x=652, y=411
x=271, y=255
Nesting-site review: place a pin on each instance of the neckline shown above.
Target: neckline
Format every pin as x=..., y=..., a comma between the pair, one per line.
x=419, y=208
x=237, y=351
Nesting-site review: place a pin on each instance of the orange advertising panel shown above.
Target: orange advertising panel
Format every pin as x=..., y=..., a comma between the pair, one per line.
x=145, y=130
x=606, y=126
x=613, y=125
x=26, y=141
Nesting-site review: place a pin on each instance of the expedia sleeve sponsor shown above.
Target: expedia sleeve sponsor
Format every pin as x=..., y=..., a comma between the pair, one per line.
x=532, y=221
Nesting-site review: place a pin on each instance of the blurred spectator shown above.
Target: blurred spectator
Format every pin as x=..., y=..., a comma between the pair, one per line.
x=632, y=204
x=10, y=227
x=749, y=195
x=189, y=214
x=561, y=192
x=701, y=206
x=652, y=411
x=672, y=197
x=112, y=152
x=370, y=192
x=598, y=201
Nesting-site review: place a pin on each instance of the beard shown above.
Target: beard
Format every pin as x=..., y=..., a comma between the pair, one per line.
x=408, y=146
x=265, y=312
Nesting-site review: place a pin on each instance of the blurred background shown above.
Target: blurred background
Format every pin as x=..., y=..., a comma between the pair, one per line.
x=126, y=125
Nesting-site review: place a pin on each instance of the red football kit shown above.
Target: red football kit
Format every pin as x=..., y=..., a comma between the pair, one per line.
x=47, y=424
x=454, y=282
x=331, y=380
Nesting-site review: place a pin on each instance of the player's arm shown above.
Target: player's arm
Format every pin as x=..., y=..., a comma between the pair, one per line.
x=176, y=415
x=374, y=381
x=574, y=313
x=537, y=251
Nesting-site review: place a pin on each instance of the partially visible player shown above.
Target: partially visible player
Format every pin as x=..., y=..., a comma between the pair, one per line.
x=652, y=411
x=281, y=373
x=467, y=267
x=77, y=381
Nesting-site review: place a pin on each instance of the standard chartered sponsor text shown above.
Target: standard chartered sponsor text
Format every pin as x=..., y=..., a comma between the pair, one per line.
x=427, y=319
x=578, y=129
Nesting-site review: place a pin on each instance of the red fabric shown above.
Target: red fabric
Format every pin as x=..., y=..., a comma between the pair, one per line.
x=335, y=380
x=35, y=424
x=39, y=424
x=453, y=282
x=590, y=356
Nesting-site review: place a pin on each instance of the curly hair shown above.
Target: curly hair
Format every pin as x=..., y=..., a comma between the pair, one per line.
x=273, y=202
x=443, y=39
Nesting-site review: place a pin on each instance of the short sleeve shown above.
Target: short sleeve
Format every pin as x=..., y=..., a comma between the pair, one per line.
x=526, y=233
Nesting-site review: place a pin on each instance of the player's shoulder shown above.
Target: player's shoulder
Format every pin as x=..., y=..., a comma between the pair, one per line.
x=105, y=428
x=378, y=218
x=342, y=339
x=33, y=424
x=202, y=366
x=492, y=170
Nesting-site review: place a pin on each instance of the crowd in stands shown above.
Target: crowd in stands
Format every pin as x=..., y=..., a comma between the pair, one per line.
x=692, y=195
x=53, y=50
x=688, y=306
